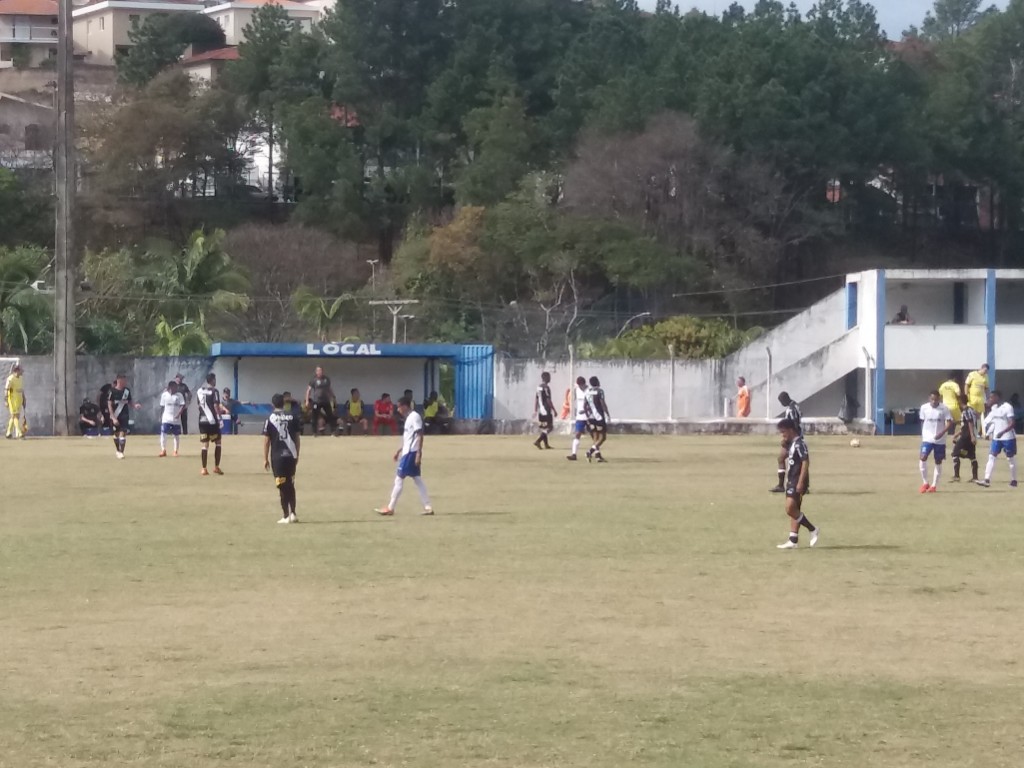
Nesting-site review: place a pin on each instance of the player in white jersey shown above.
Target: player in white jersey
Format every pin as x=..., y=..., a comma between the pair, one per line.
x=936, y=423
x=580, y=411
x=409, y=458
x=171, y=405
x=1000, y=424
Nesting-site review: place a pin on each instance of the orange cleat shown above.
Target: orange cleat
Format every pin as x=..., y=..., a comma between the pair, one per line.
x=932, y=489
x=925, y=487
x=385, y=511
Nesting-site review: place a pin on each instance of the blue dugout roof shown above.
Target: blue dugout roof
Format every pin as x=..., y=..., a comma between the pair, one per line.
x=342, y=349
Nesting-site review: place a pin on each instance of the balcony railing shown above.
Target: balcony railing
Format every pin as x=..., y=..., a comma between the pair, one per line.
x=10, y=34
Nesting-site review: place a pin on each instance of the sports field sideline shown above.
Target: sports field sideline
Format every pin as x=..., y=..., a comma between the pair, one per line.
x=550, y=614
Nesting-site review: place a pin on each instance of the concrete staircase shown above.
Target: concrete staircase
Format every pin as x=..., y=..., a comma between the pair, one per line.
x=805, y=356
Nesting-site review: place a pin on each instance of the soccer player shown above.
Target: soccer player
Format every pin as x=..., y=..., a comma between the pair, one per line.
x=965, y=442
x=354, y=413
x=999, y=424
x=281, y=454
x=792, y=413
x=798, y=466
x=208, y=399
x=544, y=411
x=949, y=391
x=14, y=390
x=976, y=388
x=580, y=426
x=409, y=458
x=936, y=423
x=172, y=404
x=742, y=398
x=90, y=423
x=119, y=406
x=598, y=417
x=320, y=399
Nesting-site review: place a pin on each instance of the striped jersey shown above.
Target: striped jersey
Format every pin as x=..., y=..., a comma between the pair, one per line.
x=793, y=414
x=969, y=422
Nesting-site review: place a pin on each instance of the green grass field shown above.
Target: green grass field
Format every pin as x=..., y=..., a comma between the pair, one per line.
x=551, y=614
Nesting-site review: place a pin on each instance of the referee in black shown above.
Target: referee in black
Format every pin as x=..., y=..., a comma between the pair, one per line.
x=320, y=399
x=186, y=393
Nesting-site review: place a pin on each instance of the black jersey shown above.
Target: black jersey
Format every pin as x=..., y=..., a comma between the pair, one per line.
x=968, y=423
x=798, y=456
x=321, y=389
x=120, y=401
x=282, y=427
x=545, y=407
x=793, y=414
x=89, y=411
x=208, y=399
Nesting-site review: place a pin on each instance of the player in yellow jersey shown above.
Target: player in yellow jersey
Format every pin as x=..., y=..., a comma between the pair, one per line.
x=15, y=392
x=949, y=391
x=976, y=389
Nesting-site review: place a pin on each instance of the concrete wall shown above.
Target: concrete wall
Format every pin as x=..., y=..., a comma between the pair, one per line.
x=949, y=347
x=16, y=117
x=909, y=389
x=147, y=377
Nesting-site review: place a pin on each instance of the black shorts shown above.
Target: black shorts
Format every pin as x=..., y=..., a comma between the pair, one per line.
x=120, y=425
x=965, y=449
x=793, y=493
x=283, y=466
x=596, y=426
x=209, y=433
x=546, y=422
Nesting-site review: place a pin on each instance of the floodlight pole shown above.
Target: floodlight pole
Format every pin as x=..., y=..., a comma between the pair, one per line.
x=64, y=345
x=395, y=307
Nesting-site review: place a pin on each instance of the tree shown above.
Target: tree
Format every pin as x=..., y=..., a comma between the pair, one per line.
x=949, y=19
x=159, y=41
x=187, y=337
x=261, y=50
x=320, y=314
x=26, y=319
x=26, y=217
x=501, y=150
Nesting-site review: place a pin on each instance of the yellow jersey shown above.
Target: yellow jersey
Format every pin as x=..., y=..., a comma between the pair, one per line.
x=950, y=393
x=976, y=384
x=355, y=408
x=15, y=389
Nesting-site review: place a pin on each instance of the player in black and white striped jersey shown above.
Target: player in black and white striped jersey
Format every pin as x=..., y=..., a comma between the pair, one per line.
x=965, y=442
x=792, y=414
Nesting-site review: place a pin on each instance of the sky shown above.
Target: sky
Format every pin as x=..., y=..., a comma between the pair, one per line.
x=894, y=16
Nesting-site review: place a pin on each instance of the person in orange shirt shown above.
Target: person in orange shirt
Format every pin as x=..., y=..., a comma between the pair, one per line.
x=742, y=398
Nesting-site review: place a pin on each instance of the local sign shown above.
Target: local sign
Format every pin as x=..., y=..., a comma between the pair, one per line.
x=342, y=350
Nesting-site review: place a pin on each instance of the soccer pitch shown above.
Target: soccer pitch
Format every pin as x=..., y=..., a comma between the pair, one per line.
x=550, y=614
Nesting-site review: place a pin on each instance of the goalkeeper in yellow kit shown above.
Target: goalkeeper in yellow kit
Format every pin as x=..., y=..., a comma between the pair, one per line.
x=17, y=425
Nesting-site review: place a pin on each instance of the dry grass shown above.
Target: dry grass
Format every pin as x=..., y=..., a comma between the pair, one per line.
x=549, y=615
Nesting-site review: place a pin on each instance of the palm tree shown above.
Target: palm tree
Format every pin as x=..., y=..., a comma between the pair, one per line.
x=25, y=313
x=185, y=338
x=315, y=311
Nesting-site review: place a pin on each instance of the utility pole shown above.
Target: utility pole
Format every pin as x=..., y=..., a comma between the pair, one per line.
x=405, y=327
x=395, y=306
x=64, y=344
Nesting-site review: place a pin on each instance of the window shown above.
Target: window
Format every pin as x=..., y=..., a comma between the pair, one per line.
x=88, y=27
x=103, y=23
x=35, y=138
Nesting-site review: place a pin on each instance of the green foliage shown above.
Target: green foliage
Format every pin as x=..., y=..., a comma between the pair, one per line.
x=26, y=314
x=161, y=39
x=688, y=338
x=26, y=216
x=320, y=314
x=187, y=337
x=21, y=55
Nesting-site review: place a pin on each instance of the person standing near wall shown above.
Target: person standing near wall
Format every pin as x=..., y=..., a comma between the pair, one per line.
x=171, y=406
x=208, y=399
x=119, y=407
x=580, y=424
x=598, y=417
x=742, y=398
x=320, y=399
x=14, y=390
x=186, y=395
x=544, y=411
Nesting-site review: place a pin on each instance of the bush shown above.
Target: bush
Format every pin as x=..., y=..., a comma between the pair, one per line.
x=692, y=338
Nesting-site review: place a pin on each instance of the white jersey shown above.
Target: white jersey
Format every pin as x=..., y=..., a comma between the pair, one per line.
x=581, y=404
x=172, y=405
x=413, y=435
x=1000, y=418
x=933, y=420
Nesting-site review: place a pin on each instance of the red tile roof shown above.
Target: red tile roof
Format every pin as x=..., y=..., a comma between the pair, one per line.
x=28, y=8
x=217, y=54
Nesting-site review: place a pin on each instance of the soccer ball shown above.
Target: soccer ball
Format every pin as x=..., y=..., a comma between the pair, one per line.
x=855, y=443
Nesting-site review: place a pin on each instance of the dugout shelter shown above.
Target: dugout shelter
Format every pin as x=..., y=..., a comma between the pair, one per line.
x=256, y=371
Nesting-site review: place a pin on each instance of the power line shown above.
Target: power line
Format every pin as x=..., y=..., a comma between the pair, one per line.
x=757, y=287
